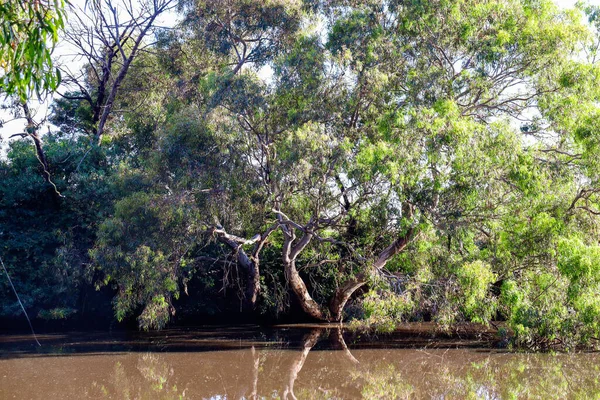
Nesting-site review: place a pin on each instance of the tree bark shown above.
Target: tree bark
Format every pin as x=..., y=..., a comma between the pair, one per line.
x=102, y=84
x=248, y=265
x=343, y=294
x=252, y=273
x=107, y=107
x=290, y=253
x=308, y=304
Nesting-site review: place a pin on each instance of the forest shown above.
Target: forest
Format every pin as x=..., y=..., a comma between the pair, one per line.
x=375, y=162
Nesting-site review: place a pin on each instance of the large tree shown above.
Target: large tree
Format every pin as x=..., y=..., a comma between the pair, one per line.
x=381, y=125
x=438, y=155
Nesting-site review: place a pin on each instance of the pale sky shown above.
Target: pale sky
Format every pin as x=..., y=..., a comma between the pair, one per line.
x=17, y=126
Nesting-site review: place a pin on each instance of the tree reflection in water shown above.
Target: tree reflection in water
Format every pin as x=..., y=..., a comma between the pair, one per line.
x=337, y=373
x=319, y=366
x=159, y=381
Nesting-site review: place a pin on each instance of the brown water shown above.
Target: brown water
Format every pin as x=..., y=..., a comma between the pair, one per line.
x=283, y=363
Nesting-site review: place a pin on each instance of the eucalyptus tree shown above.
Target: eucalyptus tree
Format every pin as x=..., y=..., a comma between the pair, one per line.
x=445, y=146
x=418, y=98
x=30, y=30
x=436, y=87
x=244, y=32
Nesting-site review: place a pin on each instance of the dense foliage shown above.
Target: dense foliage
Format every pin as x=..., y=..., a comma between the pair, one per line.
x=29, y=31
x=393, y=161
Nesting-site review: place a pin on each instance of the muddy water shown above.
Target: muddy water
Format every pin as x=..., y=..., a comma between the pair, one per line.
x=284, y=363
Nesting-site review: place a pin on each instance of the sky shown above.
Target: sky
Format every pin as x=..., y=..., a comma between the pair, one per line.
x=566, y=3
x=62, y=52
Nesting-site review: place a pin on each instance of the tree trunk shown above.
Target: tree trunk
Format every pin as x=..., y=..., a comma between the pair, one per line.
x=107, y=108
x=249, y=266
x=252, y=270
x=344, y=293
x=308, y=304
x=292, y=248
x=290, y=253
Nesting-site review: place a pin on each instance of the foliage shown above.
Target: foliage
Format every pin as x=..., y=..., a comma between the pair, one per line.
x=143, y=248
x=29, y=31
x=383, y=311
x=438, y=158
x=475, y=279
x=45, y=242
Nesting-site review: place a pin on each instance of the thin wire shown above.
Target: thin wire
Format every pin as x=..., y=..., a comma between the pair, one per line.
x=19, y=300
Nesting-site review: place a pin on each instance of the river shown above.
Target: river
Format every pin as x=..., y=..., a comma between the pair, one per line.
x=286, y=362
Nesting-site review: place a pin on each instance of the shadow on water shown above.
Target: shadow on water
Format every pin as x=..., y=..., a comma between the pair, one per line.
x=222, y=338
x=282, y=363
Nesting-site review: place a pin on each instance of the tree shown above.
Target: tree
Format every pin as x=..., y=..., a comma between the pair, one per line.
x=109, y=36
x=437, y=156
x=30, y=29
x=388, y=149
x=404, y=155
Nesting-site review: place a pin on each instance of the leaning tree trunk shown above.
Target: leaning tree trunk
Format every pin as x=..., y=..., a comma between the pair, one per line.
x=290, y=253
x=249, y=266
x=252, y=270
x=249, y=263
x=344, y=293
x=308, y=304
x=292, y=248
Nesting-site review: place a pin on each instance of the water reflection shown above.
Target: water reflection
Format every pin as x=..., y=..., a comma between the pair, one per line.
x=309, y=341
x=313, y=364
x=158, y=380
